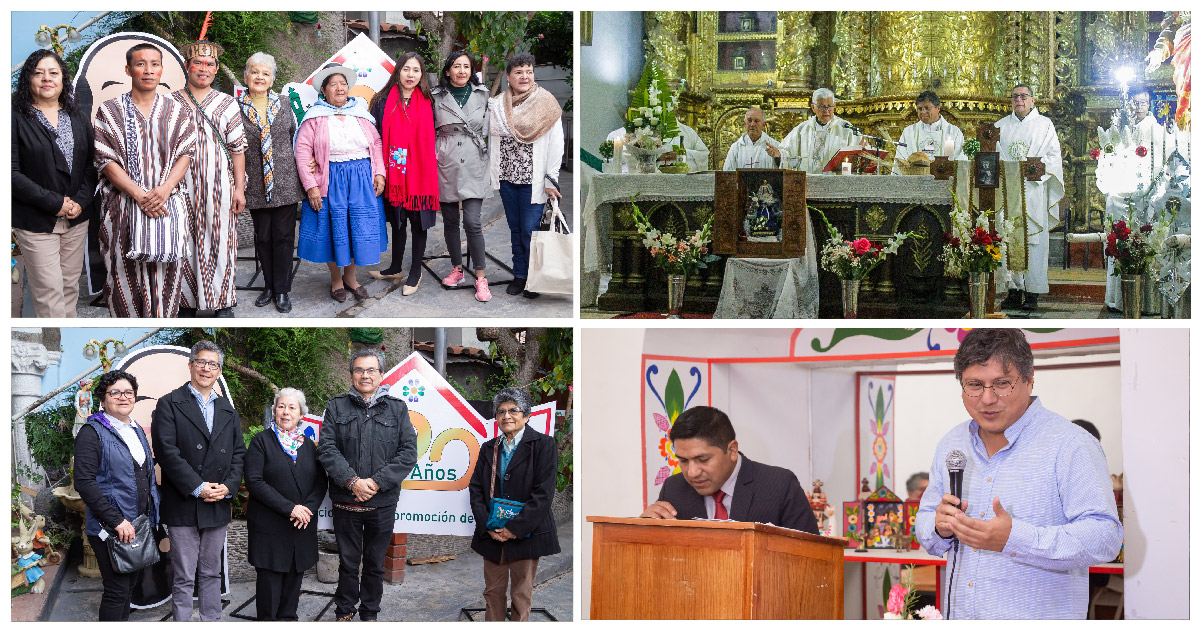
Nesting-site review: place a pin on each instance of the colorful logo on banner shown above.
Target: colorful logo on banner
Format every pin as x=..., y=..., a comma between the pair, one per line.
x=370, y=63
x=434, y=498
x=666, y=395
x=876, y=430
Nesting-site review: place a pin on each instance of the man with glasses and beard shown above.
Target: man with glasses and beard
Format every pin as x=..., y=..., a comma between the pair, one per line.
x=197, y=438
x=1037, y=508
x=367, y=447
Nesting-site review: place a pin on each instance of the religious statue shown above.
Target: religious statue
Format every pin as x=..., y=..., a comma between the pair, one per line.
x=865, y=490
x=764, y=215
x=83, y=405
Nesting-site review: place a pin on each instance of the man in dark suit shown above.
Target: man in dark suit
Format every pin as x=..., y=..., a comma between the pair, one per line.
x=197, y=437
x=718, y=482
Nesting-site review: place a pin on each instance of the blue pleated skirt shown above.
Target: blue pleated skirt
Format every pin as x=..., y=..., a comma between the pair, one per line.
x=350, y=227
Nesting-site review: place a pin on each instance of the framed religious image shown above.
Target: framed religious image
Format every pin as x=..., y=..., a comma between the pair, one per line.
x=759, y=213
x=987, y=169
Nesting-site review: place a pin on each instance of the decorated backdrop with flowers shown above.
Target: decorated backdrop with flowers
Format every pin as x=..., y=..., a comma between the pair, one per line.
x=668, y=388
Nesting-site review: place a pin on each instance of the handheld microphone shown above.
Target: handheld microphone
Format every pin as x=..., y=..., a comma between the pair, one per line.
x=956, y=461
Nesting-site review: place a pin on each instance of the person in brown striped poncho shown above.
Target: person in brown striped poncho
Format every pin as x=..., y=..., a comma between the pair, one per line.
x=216, y=184
x=144, y=145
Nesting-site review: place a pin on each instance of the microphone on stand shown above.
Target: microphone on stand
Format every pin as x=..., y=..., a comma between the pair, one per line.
x=956, y=462
x=851, y=127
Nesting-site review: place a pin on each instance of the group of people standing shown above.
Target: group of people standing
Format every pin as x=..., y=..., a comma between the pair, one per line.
x=171, y=175
x=367, y=447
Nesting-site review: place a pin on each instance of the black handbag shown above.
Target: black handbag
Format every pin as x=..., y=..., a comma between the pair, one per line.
x=137, y=554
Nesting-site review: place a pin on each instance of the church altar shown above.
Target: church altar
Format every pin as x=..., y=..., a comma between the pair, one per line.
x=911, y=284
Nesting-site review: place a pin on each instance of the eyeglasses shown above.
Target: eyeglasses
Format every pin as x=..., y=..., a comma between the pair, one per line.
x=362, y=371
x=1001, y=388
x=128, y=393
x=824, y=108
x=1021, y=97
x=500, y=413
x=206, y=363
x=1141, y=102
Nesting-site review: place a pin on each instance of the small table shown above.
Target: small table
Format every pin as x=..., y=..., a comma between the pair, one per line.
x=920, y=557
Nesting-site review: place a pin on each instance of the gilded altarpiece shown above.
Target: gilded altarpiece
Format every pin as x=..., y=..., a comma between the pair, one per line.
x=877, y=61
x=723, y=63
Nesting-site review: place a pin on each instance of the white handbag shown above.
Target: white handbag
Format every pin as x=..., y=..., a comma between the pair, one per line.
x=552, y=257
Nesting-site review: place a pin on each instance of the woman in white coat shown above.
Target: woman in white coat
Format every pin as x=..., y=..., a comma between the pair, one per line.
x=526, y=147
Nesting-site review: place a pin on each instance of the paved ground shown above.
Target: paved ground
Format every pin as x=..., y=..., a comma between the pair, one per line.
x=310, y=287
x=431, y=592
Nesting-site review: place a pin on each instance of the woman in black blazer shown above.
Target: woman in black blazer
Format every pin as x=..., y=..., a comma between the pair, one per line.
x=53, y=182
x=527, y=473
x=286, y=485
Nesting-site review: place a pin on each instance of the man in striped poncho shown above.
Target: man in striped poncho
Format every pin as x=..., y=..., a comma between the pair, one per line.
x=144, y=146
x=216, y=183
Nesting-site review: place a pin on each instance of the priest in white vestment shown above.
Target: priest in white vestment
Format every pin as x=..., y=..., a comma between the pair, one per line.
x=696, y=154
x=754, y=149
x=932, y=134
x=1026, y=133
x=814, y=142
x=1145, y=132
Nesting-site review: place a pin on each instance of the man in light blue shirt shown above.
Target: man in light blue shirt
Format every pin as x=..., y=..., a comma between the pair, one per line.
x=1037, y=508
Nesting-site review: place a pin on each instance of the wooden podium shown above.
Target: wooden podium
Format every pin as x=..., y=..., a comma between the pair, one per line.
x=664, y=569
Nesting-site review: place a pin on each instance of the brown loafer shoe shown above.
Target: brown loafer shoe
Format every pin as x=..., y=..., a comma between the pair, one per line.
x=338, y=294
x=360, y=293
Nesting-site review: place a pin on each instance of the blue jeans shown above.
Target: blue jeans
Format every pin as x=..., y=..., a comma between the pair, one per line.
x=523, y=218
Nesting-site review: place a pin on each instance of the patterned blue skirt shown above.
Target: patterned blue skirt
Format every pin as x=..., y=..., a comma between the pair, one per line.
x=350, y=227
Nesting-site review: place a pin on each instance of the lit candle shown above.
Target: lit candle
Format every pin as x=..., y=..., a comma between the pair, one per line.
x=619, y=154
x=846, y=166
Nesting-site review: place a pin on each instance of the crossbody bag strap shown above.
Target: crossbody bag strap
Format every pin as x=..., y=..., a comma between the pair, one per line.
x=495, y=464
x=215, y=129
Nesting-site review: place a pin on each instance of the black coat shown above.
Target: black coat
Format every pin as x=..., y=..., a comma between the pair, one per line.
x=530, y=478
x=276, y=485
x=40, y=178
x=189, y=456
x=763, y=494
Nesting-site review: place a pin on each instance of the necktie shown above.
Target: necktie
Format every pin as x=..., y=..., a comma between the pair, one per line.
x=720, y=513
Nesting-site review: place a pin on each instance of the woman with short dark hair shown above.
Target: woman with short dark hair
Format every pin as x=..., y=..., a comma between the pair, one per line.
x=114, y=475
x=519, y=464
x=526, y=146
x=53, y=182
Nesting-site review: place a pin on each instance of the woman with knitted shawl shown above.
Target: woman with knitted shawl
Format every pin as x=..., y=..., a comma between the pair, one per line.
x=403, y=112
x=526, y=147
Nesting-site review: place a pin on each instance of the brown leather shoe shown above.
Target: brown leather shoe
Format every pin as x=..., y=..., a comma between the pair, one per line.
x=338, y=294
x=360, y=293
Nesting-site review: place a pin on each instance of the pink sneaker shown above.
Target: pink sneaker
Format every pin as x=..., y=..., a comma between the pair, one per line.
x=482, y=292
x=455, y=277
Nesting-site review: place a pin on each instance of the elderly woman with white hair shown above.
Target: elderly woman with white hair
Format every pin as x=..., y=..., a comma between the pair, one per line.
x=273, y=191
x=286, y=485
x=517, y=471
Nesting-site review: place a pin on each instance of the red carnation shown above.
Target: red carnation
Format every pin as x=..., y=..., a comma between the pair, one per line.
x=1095, y=154
x=1141, y=151
x=1146, y=229
x=948, y=236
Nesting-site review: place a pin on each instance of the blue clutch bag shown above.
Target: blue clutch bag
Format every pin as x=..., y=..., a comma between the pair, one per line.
x=502, y=511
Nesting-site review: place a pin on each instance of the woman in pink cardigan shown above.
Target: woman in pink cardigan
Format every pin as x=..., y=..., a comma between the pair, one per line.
x=341, y=222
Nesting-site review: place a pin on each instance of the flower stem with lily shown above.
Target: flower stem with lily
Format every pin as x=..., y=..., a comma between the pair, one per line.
x=1133, y=251
x=676, y=255
x=854, y=260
